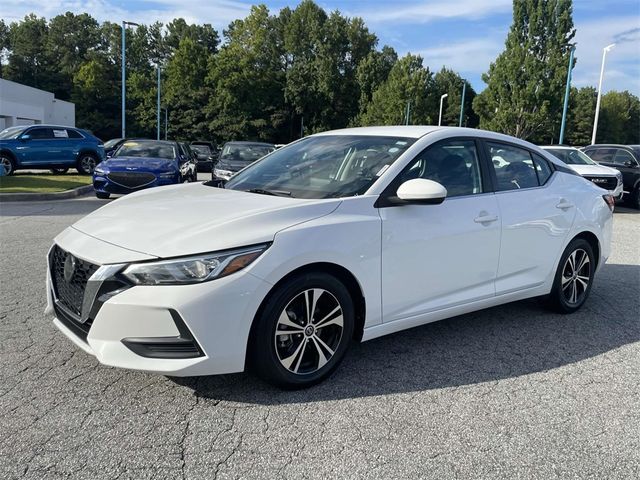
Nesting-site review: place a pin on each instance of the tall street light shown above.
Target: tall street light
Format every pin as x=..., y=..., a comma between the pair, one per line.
x=566, y=97
x=464, y=91
x=442, y=97
x=595, y=121
x=158, y=136
x=124, y=76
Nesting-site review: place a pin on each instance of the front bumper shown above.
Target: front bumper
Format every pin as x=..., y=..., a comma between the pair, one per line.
x=216, y=315
x=104, y=185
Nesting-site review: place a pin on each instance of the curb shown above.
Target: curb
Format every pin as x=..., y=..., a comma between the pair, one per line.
x=35, y=197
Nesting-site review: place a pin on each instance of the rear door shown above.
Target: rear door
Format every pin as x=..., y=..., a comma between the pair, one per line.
x=536, y=216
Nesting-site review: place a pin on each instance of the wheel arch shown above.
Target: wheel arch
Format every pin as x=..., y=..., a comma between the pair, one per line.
x=592, y=240
x=9, y=153
x=341, y=273
x=85, y=150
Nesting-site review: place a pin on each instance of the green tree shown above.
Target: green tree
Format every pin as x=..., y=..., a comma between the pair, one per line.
x=449, y=82
x=27, y=60
x=619, y=119
x=409, y=83
x=4, y=44
x=526, y=82
x=580, y=112
x=372, y=72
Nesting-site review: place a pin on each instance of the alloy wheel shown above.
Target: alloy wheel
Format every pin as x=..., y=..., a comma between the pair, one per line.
x=309, y=331
x=576, y=276
x=88, y=164
x=6, y=163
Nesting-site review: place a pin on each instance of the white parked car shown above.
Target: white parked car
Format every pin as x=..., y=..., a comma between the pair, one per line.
x=343, y=235
x=605, y=177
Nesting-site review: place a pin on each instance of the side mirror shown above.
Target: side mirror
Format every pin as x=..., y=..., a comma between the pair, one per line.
x=421, y=191
x=630, y=164
x=25, y=137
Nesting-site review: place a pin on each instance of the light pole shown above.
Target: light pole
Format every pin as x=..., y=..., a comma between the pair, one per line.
x=566, y=96
x=124, y=76
x=158, y=136
x=464, y=90
x=442, y=97
x=595, y=121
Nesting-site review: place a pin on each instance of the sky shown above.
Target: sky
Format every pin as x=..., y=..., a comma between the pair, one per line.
x=465, y=35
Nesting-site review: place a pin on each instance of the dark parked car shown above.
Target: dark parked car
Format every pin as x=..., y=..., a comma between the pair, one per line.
x=139, y=164
x=112, y=145
x=50, y=147
x=626, y=159
x=237, y=155
x=206, y=153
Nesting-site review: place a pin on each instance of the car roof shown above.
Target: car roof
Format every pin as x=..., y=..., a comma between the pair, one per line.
x=46, y=125
x=167, y=142
x=249, y=143
x=608, y=145
x=558, y=147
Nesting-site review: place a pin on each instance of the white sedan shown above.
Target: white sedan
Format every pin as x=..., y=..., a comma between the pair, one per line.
x=340, y=236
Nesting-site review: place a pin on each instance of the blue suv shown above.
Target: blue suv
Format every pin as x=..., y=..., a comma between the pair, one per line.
x=51, y=147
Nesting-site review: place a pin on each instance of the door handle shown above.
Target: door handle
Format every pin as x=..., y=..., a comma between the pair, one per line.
x=485, y=219
x=564, y=205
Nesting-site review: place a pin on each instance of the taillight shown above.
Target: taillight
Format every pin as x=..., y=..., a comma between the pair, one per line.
x=609, y=200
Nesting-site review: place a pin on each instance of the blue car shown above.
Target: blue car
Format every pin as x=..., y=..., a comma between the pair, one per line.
x=50, y=147
x=140, y=164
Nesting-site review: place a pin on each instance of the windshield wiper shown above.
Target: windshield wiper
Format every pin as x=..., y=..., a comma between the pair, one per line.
x=277, y=193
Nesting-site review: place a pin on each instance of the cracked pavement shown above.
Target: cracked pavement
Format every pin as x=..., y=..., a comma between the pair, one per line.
x=510, y=392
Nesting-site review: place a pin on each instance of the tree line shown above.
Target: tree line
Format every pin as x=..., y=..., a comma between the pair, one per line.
x=276, y=77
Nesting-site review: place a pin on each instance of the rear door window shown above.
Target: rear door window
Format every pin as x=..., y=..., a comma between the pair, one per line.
x=73, y=134
x=514, y=167
x=623, y=157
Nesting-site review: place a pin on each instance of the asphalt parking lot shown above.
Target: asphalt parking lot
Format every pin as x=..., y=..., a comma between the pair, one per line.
x=510, y=392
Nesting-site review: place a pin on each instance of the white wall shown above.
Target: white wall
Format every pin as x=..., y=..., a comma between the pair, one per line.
x=23, y=105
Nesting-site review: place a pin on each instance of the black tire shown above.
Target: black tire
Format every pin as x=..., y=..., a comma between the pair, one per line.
x=8, y=163
x=306, y=350
x=103, y=195
x=634, y=198
x=59, y=171
x=569, y=292
x=86, y=163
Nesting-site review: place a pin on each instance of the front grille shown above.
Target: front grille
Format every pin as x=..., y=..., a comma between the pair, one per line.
x=608, y=183
x=69, y=289
x=132, y=179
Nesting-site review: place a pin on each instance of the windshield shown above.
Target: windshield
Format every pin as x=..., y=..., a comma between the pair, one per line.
x=146, y=149
x=571, y=156
x=11, y=132
x=111, y=143
x=323, y=166
x=201, y=149
x=244, y=153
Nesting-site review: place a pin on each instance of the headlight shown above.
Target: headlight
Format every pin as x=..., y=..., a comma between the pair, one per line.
x=225, y=174
x=196, y=269
x=167, y=174
x=99, y=171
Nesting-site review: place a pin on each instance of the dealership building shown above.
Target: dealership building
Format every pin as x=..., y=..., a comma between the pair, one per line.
x=23, y=105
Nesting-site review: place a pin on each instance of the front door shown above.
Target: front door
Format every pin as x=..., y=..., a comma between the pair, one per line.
x=439, y=256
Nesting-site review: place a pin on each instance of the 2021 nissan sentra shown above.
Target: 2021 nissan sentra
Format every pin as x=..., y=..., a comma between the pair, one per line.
x=349, y=234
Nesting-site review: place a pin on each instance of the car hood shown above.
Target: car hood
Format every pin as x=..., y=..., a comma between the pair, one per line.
x=195, y=218
x=135, y=163
x=593, y=170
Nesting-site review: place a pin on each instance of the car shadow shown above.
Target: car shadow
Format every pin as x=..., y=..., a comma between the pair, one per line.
x=625, y=210
x=494, y=344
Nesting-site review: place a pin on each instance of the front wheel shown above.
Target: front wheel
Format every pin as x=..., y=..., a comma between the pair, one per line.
x=634, y=198
x=303, y=332
x=86, y=163
x=103, y=195
x=574, y=277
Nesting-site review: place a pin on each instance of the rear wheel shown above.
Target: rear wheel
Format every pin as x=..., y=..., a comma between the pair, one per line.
x=7, y=162
x=103, y=195
x=304, y=331
x=574, y=277
x=59, y=171
x=86, y=163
